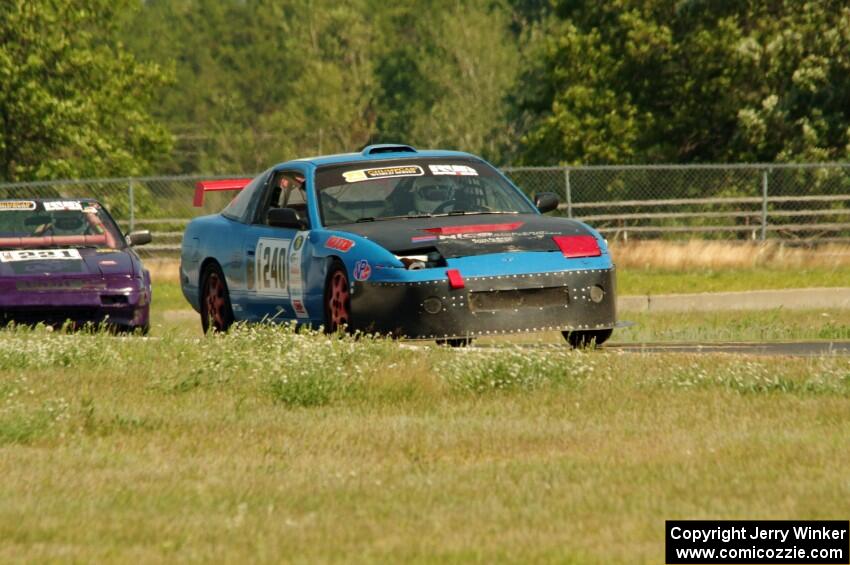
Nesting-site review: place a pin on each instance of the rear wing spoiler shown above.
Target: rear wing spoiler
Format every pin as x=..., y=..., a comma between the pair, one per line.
x=204, y=186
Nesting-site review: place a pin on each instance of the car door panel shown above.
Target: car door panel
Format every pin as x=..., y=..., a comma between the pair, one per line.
x=267, y=268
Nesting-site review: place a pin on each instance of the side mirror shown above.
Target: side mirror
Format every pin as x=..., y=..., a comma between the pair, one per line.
x=285, y=218
x=142, y=237
x=546, y=201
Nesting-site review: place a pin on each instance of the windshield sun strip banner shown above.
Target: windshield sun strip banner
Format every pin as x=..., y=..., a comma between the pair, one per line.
x=353, y=173
x=453, y=170
x=27, y=205
x=383, y=173
x=63, y=205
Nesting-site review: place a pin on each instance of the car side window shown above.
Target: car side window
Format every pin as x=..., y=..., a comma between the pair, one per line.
x=241, y=207
x=287, y=190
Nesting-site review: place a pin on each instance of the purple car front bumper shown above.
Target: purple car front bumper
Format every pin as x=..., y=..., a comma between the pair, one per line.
x=121, y=302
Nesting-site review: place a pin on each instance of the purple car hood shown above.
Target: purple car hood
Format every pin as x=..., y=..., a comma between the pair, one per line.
x=92, y=263
x=78, y=270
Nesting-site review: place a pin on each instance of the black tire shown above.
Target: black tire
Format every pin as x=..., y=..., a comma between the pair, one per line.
x=133, y=330
x=588, y=338
x=337, y=299
x=456, y=341
x=216, y=310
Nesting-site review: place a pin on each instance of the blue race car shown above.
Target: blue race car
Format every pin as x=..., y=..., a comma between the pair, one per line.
x=415, y=244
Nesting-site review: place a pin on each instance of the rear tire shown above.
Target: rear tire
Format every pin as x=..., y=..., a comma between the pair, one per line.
x=216, y=310
x=456, y=341
x=588, y=338
x=337, y=300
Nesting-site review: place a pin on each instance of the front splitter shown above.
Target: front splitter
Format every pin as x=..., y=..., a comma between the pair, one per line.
x=562, y=300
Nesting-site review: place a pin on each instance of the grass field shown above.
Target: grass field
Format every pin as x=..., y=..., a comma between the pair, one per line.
x=171, y=312
x=267, y=445
x=669, y=267
x=706, y=327
x=665, y=281
x=630, y=281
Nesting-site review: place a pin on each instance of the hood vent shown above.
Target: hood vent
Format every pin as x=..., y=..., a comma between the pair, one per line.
x=387, y=148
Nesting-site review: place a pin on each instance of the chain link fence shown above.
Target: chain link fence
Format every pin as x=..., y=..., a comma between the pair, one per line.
x=800, y=203
x=805, y=203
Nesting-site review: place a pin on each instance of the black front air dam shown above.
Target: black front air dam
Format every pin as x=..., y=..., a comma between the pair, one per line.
x=565, y=300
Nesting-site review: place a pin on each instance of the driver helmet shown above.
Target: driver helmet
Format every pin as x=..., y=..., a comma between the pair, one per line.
x=469, y=197
x=68, y=223
x=428, y=194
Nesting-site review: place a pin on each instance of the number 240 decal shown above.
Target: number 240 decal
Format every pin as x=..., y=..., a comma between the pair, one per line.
x=271, y=272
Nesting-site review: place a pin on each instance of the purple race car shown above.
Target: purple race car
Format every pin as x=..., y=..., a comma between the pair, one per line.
x=66, y=261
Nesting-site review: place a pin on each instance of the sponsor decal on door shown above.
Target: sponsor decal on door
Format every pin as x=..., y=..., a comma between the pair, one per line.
x=296, y=277
x=270, y=269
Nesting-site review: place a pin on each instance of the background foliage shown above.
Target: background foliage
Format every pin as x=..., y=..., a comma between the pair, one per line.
x=74, y=102
x=98, y=88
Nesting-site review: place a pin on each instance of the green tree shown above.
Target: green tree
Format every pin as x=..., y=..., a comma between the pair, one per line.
x=662, y=80
x=73, y=101
x=444, y=74
x=259, y=81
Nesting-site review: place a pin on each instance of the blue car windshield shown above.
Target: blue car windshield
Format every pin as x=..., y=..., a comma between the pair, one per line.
x=378, y=190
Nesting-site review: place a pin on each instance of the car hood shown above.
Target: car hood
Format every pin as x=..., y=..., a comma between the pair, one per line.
x=92, y=263
x=462, y=236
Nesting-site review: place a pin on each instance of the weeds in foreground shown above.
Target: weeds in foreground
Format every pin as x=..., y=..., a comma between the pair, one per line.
x=515, y=369
x=279, y=365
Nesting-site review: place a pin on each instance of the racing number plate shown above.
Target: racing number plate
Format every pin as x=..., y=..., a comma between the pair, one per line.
x=38, y=255
x=270, y=272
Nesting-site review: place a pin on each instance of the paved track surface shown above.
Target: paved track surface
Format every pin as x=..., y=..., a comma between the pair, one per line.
x=796, y=349
x=793, y=349
x=787, y=299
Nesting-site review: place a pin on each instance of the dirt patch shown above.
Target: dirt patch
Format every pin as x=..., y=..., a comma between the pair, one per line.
x=163, y=270
x=786, y=299
x=699, y=254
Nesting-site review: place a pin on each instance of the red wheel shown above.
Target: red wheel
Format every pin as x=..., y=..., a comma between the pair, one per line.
x=337, y=300
x=216, y=312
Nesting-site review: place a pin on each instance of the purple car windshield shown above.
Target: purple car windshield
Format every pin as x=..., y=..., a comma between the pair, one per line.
x=56, y=223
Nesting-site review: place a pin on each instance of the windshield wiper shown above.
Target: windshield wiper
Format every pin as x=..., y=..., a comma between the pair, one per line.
x=473, y=213
x=404, y=217
x=408, y=216
x=425, y=215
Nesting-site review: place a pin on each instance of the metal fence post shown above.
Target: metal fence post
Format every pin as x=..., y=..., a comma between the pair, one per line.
x=130, y=196
x=764, y=204
x=569, y=192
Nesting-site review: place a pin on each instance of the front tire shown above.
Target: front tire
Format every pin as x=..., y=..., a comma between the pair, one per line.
x=337, y=300
x=588, y=338
x=455, y=342
x=216, y=310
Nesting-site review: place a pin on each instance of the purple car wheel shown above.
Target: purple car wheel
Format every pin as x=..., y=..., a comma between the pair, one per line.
x=216, y=312
x=337, y=301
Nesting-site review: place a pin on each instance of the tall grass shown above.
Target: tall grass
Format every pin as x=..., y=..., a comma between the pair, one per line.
x=268, y=444
x=308, y=369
